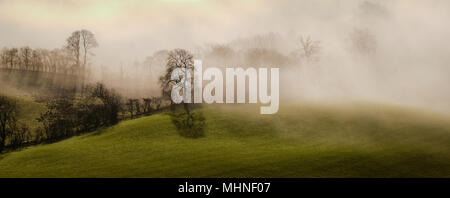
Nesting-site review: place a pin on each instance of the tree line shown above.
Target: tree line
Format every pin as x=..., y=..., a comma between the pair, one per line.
x=70, y=113
x=72, y=58
x=67, y=114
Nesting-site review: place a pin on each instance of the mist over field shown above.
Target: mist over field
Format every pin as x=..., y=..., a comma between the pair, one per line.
x=86, y=88
x=379, y=51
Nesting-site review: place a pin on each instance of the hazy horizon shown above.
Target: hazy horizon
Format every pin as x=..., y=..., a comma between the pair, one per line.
x=410, y=66
x=130, y=30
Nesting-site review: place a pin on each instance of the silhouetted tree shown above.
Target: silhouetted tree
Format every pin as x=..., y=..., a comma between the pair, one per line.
x=74, y=46
x=88, y=42
x=178, y=58
x=69, y=114
x=310, y=48
x=4, y=57
x=25, y=54
x=60, y=119
x=12, y=57
x=188, y=123
x=147, y=105
x=111, y=102
x=36, y=60
x=131, y=107
x=157, y=103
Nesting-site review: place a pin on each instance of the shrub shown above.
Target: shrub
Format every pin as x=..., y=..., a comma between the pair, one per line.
x=189, y=125
x=68, y=114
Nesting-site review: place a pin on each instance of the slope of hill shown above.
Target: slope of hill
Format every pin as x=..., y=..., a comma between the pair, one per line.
x=299, y=141
x=29, y=111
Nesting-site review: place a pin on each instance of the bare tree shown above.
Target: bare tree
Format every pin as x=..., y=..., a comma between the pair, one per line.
x=36, y=60
x=189, y=123
x=178, y=58
x=4, y=57
x=146, y=106
x=25, y=54
x=12, y=57
x=310, y=48
x=74, y=46
x=157, y=102
x=88, y=42
x=131, y=107
x=137, y=105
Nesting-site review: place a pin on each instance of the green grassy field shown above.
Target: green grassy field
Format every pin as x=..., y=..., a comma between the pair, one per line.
x=365, y=140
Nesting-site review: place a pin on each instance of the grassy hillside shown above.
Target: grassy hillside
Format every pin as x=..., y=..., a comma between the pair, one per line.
x=299, y=141
x=29, y=111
